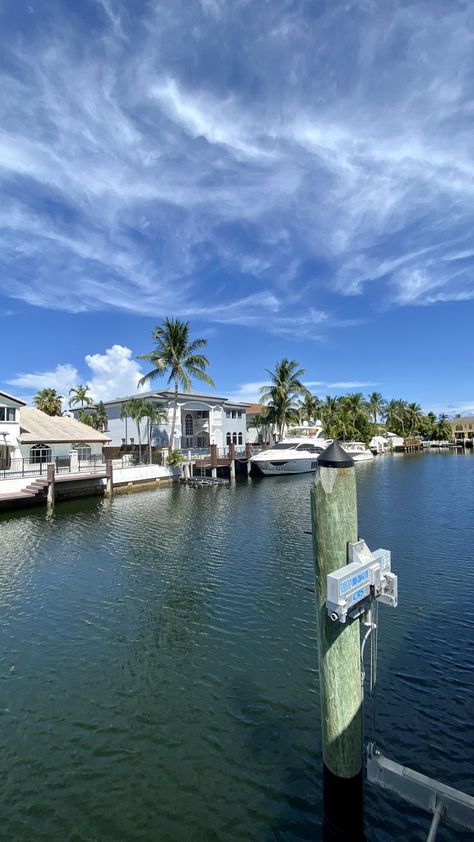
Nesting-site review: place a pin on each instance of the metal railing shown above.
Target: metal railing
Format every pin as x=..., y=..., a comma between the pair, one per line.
x=23, y=467
x=16, y=468
x=194, y=454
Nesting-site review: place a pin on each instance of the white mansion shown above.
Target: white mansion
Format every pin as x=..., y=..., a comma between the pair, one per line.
x=201, y=420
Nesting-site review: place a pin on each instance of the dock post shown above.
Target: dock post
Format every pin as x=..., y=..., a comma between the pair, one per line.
x=248, y=453
x=214, y=460
x=334, y=524
x=109, y=473
x=50, y=476
x=232, y=460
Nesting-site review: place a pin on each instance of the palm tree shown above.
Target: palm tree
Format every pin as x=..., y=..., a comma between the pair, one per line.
x=329, y=415
x=260, y=423
x=282, y=393
x=355, y=407
x=177, y=353
x=48, y=401
x=413, y=416
x=443, y=430
x=376, y=405
x=101, y=418
x=155, y=415
x=395, y=415
x=308, y=408
x=80, y=395
x=136, y=409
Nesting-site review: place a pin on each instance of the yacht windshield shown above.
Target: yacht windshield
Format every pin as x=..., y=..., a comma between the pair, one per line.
x=283, y=446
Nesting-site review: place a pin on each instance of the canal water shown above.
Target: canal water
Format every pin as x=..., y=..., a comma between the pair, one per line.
x=158, y=658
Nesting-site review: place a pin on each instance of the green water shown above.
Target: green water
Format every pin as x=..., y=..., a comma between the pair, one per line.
x=159, y=666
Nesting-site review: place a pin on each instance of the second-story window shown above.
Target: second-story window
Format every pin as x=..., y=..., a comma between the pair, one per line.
x=188, y=425
x=7, y=413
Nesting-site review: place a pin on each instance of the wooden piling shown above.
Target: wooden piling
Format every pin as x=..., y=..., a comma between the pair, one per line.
x=232, y=460
x=334, y=524
x=214, y=460
x=51, y=496
x=109, y=473
x=248, y=453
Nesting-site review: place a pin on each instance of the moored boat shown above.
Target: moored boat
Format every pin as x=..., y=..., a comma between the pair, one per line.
x=292, y=455
x=358, y=450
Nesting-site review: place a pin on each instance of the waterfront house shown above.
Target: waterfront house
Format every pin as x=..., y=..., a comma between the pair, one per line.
x=201, y=420
x=28, y=434
x=462, y=429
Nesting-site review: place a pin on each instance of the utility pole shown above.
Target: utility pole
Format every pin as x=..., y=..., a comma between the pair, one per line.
x=334, y=525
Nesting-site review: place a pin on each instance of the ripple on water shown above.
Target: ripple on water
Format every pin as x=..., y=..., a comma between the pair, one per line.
x=159, y=659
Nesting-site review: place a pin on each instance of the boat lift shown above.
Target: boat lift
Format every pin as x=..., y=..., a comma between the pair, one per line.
x=356, y=590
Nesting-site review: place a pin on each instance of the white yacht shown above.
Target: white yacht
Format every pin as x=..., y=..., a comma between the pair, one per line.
x=293, y=455
x=358, y=450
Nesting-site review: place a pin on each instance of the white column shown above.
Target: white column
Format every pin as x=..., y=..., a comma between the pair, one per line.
x=74, y=461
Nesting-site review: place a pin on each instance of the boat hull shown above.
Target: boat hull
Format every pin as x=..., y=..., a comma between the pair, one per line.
x=361, y=457
x=276, y=468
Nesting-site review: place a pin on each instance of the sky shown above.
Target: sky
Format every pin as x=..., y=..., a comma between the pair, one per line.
x=295, y=178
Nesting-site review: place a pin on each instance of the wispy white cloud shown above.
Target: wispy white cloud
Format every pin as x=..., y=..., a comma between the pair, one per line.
x=141, y=170
x=352, y=384
x=452, y=409
x=62, y=378
x=247, y=392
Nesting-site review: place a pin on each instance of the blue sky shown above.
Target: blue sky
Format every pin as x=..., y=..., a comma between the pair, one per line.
x=294, y=177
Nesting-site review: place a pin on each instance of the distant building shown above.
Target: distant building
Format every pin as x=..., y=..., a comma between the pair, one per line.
x=27, y=433
x=462, y=429
x=202, y=419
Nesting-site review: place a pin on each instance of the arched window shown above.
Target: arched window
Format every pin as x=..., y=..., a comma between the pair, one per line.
x=240, y=438
x=234, y=438
x=227, y=438
x=40, y=453
x=84, y=451
x=188, y=425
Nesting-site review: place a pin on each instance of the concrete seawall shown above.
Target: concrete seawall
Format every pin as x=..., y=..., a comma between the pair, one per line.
x=72, y=486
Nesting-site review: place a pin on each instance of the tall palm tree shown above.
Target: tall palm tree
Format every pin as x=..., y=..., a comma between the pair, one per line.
x=136, y=409
x=155, y=415
x=48, y=401
x=376, y=405
x=177, y=354
x=282, y=393
x=80, y=394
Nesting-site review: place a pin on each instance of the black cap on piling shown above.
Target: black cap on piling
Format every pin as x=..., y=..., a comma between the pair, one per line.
x=335, y=457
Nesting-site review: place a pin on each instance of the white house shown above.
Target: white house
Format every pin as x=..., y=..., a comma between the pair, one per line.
x=26, y=433
x=201, y=419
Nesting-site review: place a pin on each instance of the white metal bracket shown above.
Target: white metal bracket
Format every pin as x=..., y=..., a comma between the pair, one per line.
x=367, y=576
